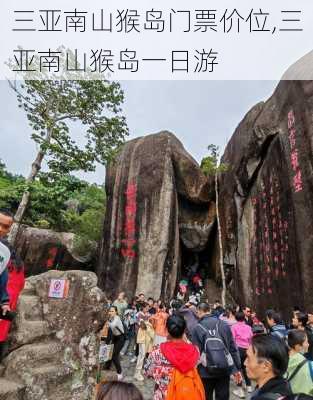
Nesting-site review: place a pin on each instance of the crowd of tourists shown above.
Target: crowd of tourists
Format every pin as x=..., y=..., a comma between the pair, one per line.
x=194, y=350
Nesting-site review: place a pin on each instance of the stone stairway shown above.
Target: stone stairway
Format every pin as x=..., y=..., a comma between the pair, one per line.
x=32, y=365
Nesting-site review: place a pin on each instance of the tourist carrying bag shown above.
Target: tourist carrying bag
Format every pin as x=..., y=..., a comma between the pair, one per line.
x=215, y=356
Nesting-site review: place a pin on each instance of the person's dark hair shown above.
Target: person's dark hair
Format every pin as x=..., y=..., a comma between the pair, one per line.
x=273, y=350
x=161, y=306
x=295, y=336
x=302, y=317
x=150, y=298
x=116, y=390
x=230, y=310
x=142, y=306
x=275, y=316
x=204, y=307
x=6, y=212
x=240, y=316
x=176, y=325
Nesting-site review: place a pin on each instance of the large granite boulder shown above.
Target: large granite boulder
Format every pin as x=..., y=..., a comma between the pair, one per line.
x=53, y=346
x=44, y=249
x=266, y=201
x=158, y=201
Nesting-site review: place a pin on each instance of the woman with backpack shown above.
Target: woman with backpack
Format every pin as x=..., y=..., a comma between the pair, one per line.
x=300, y=370
x=173, y=365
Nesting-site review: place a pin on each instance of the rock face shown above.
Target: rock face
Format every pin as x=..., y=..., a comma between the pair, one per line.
x=54, y=343
x=44, y=249
x=266, y=201
x=158, y=202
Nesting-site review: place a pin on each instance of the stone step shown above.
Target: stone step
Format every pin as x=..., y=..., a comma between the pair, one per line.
x=2, y=368
x=50, y=373
x=10, y=390
x=30, y=331
x=31, y=356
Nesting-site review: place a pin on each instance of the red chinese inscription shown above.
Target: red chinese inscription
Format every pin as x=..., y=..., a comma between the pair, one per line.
x=129, y=240
x=294, y=157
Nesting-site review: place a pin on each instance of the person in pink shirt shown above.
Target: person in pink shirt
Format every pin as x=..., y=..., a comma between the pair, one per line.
x=242, y=334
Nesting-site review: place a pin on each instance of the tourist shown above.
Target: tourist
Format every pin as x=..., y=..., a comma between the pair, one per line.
x=121, y=304
x=216, y=379
x=141, y=301
x=300, y=370
x=258, y=327
x=118, y=391
x=255, y=319
x=130, y=330
x=15, y=285
x=172, y=359
x=217, y=310
x=229, y=316
x=276, y=325
x=115, y=336
x=266, y=364
x=141, y=315
x=242, y=334
x=300, y=321
x=145, y=338
x=189, y=312
x=158, y=322
x=6, y=222
x=248, y=319
x=152, y=310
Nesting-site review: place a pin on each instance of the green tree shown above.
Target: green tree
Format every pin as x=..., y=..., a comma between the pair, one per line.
x=212, y=166
x=51, y=106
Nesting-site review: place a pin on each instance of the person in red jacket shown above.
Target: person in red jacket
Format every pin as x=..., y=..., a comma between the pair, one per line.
x=15, y=285
x=176, y=353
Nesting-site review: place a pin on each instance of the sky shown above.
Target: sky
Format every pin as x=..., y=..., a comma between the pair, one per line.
x=197, y=112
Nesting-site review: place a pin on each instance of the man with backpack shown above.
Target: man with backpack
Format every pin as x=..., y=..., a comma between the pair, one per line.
x=266, y=364
x=219, y=354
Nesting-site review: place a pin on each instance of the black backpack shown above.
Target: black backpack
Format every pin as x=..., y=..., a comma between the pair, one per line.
x=215, y=356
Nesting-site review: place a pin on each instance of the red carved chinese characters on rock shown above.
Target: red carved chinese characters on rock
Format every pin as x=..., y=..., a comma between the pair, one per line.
x=294, y=158
x=129, y=240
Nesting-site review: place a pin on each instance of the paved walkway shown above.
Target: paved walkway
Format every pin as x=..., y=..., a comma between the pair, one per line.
x=146, y=387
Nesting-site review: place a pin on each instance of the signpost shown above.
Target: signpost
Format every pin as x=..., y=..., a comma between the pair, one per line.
x=59, y=288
